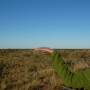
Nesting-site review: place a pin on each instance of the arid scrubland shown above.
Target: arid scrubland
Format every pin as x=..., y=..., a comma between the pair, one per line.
x=25, y=69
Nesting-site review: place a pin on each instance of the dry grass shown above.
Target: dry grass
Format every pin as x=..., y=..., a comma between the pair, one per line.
x=28, y=70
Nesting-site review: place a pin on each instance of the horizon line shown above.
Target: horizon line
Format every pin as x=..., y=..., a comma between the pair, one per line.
x=51, y=48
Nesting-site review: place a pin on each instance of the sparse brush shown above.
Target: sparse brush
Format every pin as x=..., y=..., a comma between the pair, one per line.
x=28, y=70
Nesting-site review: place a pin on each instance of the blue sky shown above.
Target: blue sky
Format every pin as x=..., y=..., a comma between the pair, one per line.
x=45, y=23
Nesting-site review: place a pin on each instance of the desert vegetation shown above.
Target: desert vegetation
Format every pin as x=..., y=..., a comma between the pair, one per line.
x=25, y=69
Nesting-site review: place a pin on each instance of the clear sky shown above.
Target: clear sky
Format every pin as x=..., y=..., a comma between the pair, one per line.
x=45, y=23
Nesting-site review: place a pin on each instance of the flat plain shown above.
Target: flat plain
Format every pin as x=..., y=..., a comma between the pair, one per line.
x=25, y=69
